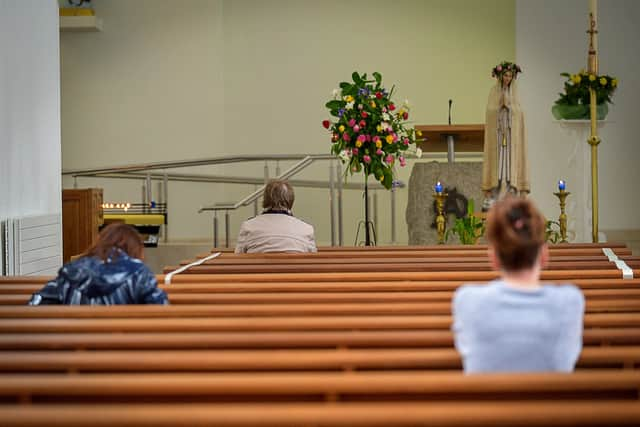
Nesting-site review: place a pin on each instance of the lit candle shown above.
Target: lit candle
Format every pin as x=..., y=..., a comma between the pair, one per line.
x=562, y=185
x=438, y=187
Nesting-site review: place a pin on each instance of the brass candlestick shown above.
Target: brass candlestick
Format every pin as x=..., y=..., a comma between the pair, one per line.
x=562, y=196
x=440, y=219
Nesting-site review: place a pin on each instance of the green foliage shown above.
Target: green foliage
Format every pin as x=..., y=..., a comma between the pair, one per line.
x=552, y=232
x=576, y=88
x=468, y=229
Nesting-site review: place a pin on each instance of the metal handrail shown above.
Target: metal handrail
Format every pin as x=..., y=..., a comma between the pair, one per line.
x=191, y=163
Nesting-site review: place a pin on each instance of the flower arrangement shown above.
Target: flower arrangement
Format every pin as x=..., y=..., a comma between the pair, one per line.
x=505, y=66
x=574, y=102
x=576, y=88
x=369, y=131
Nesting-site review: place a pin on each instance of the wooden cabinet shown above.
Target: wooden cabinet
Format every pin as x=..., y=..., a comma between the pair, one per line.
x=81, y=219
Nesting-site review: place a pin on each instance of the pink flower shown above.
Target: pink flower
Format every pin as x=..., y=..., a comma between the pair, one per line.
x=376, y=138
x=364, y=114
x=366, y=159
x=368, y=137
x=379, y=152
x=352, y=122
x=389, y=159
x=499, y=68
x=356, y=128
x=362, y=123
x=392, y=107
x=355, y=151
x=362, y=138
x=406, y=141
x=335, y=137
x=384, y=109
x=403, y=162
x=346, y=137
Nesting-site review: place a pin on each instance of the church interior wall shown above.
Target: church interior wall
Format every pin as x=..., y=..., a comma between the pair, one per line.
x=29, y=109
x=207, y=78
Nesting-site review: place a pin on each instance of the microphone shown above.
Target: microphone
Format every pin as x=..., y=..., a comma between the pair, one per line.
x=450, y=102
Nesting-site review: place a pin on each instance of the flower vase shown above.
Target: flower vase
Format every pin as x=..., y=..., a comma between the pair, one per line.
x=578, y=112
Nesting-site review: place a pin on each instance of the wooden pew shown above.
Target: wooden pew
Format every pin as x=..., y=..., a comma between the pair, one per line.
x=317, y=386
x=397, y=338
x=154, y=319
x=374, y=414
x=20, y=296
x=627, y=357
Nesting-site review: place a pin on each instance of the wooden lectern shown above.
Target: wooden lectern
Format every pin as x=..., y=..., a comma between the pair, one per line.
x=452, y=138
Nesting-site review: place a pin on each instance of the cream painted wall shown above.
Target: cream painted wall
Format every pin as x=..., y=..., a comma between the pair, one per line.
x=29, y=109
x=170, y=80
x=550, y=39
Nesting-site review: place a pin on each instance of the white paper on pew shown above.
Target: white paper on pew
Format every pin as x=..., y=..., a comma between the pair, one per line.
x=610, y=254
x=167, y=277
x=627, y=273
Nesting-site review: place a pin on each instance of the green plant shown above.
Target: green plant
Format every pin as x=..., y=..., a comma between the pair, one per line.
x=468, y=228
x=369, y=130
x=576, y=88
x=552, y=232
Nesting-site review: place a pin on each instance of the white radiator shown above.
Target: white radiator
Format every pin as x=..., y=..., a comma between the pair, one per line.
x=32, y=245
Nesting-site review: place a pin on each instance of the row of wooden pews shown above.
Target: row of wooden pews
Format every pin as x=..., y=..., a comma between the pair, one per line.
x=289, y=340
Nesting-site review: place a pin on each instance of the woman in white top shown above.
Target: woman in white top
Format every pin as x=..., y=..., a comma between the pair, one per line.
x=516, y=323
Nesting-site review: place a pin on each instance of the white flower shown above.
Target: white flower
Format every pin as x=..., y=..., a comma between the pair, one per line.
x=406, y=103
x=349, y=105
x=344, y=155
x=384, y=126
x=418, y=152
x=335, y=93
x=385, y=116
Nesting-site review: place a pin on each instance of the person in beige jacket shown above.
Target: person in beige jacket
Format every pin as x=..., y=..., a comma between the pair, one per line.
x=276, y=229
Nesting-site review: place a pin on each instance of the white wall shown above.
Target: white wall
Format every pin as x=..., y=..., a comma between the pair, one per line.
x=29, y=108
x=550, y=39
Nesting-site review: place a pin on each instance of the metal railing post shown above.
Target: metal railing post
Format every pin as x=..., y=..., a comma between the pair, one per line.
x=332, y=195
x=339, y=177
x=227, y=229
x=393, y=214
x=215, y=229
x=165, y=189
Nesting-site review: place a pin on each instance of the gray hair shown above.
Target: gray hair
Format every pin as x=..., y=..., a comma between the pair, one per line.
x=278, y=195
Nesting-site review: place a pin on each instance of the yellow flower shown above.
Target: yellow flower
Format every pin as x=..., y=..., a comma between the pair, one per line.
x=592, y=77
x=576, y=79
x=341, y=128
x=358, y=143
x=389, y=139
x=381, y=178
x=419, y=132
x=348, y=98
x=379, y=128
x=378, y=144
x=373, y=104
x=614, y=82
x=603, y=81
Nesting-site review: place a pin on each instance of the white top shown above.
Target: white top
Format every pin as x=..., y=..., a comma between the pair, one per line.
x=275, y=232
x=499, y=328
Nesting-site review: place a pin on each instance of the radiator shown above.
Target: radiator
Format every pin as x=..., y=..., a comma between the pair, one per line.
x=31, y=245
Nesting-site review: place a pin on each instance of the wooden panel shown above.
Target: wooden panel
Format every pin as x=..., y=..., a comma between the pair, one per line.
x=81, y=218
x=468, y=138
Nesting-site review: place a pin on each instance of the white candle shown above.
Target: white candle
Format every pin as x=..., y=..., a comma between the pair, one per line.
x=593, y=9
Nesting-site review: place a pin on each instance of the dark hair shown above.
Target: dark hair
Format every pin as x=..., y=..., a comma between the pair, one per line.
x=117, y=235
x=278, y=195
x=515, y=229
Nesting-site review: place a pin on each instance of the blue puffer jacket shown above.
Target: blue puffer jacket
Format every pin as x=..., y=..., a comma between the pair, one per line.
x=120, y=279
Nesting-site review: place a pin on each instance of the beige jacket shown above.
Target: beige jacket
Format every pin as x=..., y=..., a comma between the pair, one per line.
x=275, y=232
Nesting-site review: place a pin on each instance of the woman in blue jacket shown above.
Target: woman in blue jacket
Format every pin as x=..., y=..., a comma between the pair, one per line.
x=110, y=272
